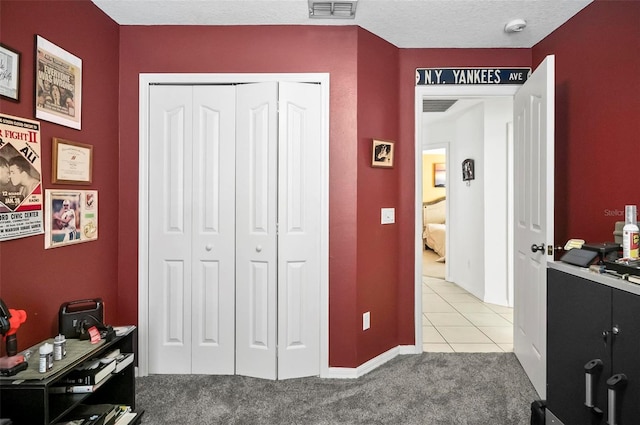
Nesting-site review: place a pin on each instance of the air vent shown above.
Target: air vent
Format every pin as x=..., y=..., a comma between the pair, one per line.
x=439, y=105
x=332, y=9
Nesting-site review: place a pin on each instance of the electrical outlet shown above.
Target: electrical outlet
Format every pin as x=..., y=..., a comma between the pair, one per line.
x=366, y=320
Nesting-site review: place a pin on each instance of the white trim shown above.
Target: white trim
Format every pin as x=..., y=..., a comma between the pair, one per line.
x=435, y=92
x=410, y=349
x=374, y=363
x=146, y=80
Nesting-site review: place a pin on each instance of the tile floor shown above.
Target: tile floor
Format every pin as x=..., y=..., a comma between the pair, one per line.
x=456, y=321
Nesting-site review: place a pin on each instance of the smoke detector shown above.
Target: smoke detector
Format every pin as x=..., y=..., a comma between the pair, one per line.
x=515, y=25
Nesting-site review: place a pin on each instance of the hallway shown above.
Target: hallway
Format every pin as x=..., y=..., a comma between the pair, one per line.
x=456, y=321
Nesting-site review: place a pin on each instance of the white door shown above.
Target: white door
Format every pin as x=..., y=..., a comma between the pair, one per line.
x=533, y=215
x=191, y=268
x=256, y=215
x=278, y=233
x=234, y=232
x=299, y=199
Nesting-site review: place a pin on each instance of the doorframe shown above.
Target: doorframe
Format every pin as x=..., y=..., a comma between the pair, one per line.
x=440, y=92
x=146, y=80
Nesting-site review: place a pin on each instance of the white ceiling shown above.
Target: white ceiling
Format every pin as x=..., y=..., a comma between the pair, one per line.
x=404, y=23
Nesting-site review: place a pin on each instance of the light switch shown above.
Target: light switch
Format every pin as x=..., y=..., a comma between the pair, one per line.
x=387, y=215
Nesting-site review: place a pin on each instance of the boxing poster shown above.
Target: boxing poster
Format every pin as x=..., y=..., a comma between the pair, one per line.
x=20, y=178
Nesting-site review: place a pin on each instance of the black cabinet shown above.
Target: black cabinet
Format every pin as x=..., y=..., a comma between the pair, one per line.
x=31, y=402
x=588, y=321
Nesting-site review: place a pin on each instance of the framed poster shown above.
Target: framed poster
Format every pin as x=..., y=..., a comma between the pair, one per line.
x=72, y=162
x=9, y=73
x=71, y=216
x=20, y=178
x=382, y=153
x=439, y=174
x=58, y=88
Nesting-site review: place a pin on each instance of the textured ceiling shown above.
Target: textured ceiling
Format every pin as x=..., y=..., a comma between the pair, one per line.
x=404, y=23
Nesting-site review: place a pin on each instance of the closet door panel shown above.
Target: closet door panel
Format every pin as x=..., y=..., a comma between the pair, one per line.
x=170, y=230
x=299, y=190
x=256, y=230
x=213, y=243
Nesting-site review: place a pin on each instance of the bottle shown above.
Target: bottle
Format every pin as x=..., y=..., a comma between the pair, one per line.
x=630, y=233
x=46, y=358
x=59, y=347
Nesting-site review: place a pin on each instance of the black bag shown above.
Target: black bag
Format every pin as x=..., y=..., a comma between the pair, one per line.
x=75, y=317
x=538, y=408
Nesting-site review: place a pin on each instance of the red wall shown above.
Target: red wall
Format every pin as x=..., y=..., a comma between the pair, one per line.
x=372, y=95
x=377, y=267
x=256, y=50
x=32, y=278
x=597, y=118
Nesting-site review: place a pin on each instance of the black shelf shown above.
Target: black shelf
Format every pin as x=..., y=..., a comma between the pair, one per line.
x=29, y=401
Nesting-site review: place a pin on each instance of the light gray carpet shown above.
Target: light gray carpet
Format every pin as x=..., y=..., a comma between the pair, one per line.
x=426, y=389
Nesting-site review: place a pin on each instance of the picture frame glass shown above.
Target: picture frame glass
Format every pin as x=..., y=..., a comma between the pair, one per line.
x=439, y=175
x=382, y=153
x=58, y=85
x=72, y=162
x=9, y=73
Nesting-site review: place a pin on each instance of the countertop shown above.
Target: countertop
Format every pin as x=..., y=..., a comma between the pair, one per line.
x=603, y=279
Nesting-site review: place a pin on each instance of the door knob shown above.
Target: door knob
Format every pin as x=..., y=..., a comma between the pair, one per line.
x=258, y=248
x=208, y=247
x=536, y=248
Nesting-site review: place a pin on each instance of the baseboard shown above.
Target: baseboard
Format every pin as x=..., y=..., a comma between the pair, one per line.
x=363, y=369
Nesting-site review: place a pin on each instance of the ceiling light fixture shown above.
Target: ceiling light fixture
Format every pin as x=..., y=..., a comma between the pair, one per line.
x=332, y=9
x=515, y=25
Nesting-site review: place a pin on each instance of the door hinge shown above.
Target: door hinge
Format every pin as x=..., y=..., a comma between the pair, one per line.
x=550, y=250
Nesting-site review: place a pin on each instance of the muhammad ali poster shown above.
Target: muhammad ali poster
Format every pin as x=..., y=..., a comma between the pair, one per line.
x=20, y=178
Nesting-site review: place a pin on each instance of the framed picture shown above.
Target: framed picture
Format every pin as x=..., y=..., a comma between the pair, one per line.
x=72, y=162
x=71, y=217
x=382, y=153
x=468, y=172
x=9, y=73
x=58, y=82
x=439, y=174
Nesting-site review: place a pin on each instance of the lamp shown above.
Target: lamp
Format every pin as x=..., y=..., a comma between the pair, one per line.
x=332, y=9
x=515, y=25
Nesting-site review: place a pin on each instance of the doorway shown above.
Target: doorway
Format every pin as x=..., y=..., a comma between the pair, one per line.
x=434, y=198
x=195, y=80
x=463, y=277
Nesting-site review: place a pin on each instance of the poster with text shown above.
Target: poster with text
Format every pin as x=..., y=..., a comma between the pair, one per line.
x=71, y=217
x=58, y=85
x=20, y=178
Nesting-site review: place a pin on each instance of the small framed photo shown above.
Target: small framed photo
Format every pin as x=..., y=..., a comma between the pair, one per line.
x=468, y=170
x=58, y=82
x=439, y=174
x=382, y=154
x=72, y=162
x=9, y=73
x=71, y=217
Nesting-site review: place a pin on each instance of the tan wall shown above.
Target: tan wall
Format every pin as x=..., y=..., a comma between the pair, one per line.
x=429, y=192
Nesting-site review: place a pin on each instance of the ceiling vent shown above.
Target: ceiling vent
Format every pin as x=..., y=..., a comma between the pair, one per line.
x=332, y=9
x=437, y=105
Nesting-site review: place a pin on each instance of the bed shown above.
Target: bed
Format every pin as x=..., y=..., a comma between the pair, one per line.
x=434, y=227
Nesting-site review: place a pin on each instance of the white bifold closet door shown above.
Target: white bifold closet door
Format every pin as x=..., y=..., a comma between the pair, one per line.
x=234, y=230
